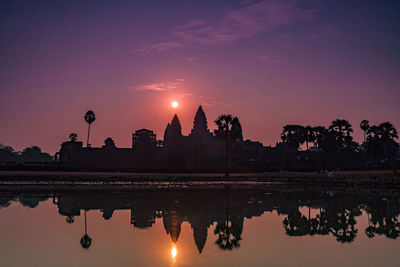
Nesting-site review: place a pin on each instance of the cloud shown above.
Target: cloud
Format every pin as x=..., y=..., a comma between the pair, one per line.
x=159, y=47
x=159, y=86
x=276, y=59
x=191, y=59
x=263, y=58
x=212, y=101
x=242, y=23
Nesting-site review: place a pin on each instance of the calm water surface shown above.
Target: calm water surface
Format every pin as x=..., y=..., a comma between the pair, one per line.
x=225, y=226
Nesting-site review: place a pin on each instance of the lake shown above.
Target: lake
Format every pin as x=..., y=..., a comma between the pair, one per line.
x=225, y=225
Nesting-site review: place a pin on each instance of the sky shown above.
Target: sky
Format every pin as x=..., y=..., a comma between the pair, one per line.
x=268, y=62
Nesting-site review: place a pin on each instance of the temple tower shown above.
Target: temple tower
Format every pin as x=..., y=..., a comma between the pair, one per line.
x=200, y=128
x=173, y=132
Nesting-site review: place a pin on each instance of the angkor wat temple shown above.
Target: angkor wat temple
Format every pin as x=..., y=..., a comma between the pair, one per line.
x=200, y=151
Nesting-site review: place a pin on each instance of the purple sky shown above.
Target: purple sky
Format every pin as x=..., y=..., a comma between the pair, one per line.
x=268, y=62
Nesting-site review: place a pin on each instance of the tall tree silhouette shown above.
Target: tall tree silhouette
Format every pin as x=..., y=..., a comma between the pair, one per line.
x=89, y=118
x=294, y=135
x=319, y=134
x=309, y=135
x=364, y=125
x=341, y=130
x=225, y=131
x=381, y=144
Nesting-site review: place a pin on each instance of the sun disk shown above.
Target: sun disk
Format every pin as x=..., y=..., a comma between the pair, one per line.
x=174, y=104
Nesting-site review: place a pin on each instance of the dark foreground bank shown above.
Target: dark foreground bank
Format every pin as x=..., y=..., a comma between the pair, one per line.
x=369, y=179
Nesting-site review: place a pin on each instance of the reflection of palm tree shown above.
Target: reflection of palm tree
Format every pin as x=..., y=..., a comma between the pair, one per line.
x=70, y=219
x=296, y=224
x=86, y=240
x=383, y=222
x=323, y=223
x=370, y=230
x=230, y=231
x=89, y=118
x=228, y=235
x=343, y=227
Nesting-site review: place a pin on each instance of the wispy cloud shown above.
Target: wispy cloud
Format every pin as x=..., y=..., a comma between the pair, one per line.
x=212, y=101
x=276, y=59
x=159, y=47
x=159, y=86
x=237, y=24
x=263, y=58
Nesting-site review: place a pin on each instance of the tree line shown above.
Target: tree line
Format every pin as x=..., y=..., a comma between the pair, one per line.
x=336, y=141
x=29, y=154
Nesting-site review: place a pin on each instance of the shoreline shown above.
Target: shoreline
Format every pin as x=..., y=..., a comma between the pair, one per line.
x=364, y=179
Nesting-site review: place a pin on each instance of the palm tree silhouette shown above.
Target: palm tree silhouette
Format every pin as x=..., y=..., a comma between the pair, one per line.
x=73, y=137
x=341, y=130
x=86, y=240
x=309, y=135
x=364, y=125
x=224, y=131
x=319, y=134
x=89, y=118
x=294, y=135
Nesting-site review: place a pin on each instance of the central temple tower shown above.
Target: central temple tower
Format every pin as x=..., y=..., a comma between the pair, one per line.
x=200, y=128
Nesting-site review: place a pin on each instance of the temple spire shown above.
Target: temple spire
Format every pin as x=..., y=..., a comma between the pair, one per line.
x=176, y=128
x=173, y=132
x=200, y=123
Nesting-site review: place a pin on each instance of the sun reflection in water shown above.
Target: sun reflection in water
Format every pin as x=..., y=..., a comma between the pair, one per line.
x=174, y=252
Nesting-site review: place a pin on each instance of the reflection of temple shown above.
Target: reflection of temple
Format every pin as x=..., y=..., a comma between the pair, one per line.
x=226, y=207
x=199, y=151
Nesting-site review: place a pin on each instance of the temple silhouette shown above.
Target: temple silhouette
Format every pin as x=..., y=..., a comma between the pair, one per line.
x=200, y=151
x=301, y=148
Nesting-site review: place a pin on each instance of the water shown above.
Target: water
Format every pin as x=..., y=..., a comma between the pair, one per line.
x=229, y=225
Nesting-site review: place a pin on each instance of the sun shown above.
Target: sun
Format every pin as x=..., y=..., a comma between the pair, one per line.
x=175, y=104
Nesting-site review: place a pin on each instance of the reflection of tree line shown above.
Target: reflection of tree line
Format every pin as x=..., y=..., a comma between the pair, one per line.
x=337, y=217
x=333, y=213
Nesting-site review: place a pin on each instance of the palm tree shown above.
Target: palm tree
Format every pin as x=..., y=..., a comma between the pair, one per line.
x=309, y=135
x=319, y=134
x=86, y=240
x=225, y=131
x=364, y=125
x=341, y=130
x=73, y=137
x=89, y=118
x=387, y=131
x=294, y=135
